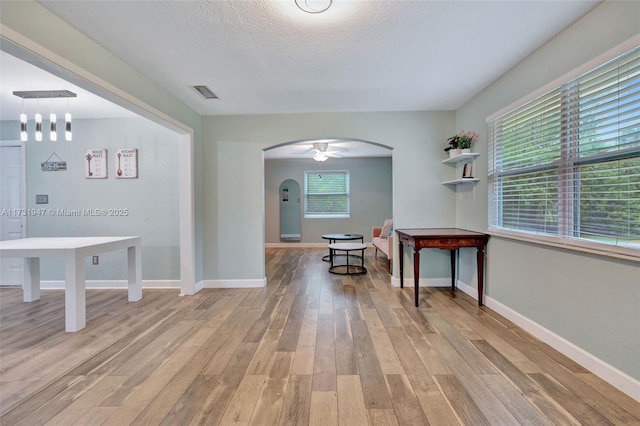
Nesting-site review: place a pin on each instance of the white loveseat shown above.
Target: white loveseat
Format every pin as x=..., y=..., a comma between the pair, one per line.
x=382, y=239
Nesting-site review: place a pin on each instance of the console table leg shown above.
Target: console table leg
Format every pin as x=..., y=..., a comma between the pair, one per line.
x=416, y=275
x=401, y=258
x=480, y=267
x=453, y=269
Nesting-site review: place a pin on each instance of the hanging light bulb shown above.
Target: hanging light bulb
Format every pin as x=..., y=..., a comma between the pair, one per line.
x=38, y=127
x=53, y=135
x=67, y=127
x=23, y=127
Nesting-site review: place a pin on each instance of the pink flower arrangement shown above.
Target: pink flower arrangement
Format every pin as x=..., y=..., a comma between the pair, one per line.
x=461, y=140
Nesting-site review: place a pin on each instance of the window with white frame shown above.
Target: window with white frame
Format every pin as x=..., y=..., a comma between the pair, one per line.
x=326, y=194
x=565, y=167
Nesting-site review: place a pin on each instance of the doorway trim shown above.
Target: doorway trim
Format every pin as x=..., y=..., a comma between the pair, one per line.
x=23, y=190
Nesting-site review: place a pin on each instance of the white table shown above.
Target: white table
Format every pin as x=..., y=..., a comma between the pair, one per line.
x=74, y=250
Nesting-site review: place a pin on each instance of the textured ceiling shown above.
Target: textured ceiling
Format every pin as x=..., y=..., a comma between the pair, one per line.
x=270, y=57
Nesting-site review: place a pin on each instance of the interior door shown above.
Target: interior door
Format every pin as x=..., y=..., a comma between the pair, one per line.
x=12, y=216
x=290, y=211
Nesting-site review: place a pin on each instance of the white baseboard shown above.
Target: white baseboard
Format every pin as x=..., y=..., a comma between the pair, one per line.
x=423, y=282
x=296, y=245
x=111, y=284
x=234, y=283
x=290, y=237
x=123, y=284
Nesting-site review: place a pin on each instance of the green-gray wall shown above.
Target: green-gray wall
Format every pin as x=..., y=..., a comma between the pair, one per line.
x=370, y=195
x=234, y=228
x=151, y=201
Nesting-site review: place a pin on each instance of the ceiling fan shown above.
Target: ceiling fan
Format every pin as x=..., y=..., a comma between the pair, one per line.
x=322, y=150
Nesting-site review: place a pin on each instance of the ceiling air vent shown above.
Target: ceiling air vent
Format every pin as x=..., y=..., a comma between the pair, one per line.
x=205, y=92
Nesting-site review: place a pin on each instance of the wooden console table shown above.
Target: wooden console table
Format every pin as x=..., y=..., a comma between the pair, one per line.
x=444, y=239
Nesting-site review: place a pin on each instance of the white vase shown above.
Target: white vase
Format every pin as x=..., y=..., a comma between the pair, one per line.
x=454, y=152
x=466, y=150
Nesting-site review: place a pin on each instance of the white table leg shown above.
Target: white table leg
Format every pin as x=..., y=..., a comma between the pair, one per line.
x=135, y=273
x=74, y=293
x=31, y=279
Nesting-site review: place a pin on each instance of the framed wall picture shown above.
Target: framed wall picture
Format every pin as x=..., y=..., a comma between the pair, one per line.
x=466, y=170
x=126, y=163
x=95, y=163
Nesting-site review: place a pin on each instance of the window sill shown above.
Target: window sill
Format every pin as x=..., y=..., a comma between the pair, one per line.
x=580, y=246
x=327, y=216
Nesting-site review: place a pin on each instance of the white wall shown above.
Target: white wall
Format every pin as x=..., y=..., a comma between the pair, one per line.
x=592, y=302
x=370, y=195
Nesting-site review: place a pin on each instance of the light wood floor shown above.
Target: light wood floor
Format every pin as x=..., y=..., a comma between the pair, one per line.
x=310, y=348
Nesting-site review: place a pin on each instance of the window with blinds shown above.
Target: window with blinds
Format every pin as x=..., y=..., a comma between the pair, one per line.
x=326, y=194
x=565, y=167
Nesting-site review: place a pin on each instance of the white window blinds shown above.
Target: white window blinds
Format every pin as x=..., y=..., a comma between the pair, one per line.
x=567, y=165
x=326, y=194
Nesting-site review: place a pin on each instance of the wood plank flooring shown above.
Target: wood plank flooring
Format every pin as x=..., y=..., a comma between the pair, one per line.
x=310, y=348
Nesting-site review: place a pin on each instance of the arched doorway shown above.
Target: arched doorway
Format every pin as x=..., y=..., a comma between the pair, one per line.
x=369, y=166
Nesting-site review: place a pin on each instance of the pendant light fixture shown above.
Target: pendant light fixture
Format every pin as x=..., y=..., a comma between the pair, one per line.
x=53, y=133
x=38, y=124
x=23, y=127
x=67, y=127
x=53, y=118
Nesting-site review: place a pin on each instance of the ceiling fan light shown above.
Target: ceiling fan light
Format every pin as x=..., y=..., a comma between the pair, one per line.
x=319, y=156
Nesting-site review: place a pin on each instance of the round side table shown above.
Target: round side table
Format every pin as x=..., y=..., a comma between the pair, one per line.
x=347, y=269
x=340, y=237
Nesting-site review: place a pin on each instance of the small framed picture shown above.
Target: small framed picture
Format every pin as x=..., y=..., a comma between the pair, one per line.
x=466, y=171
x=95, y=164
x=126, y=163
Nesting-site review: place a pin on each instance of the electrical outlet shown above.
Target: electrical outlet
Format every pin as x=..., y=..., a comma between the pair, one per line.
x=95, y=260
x=42, y=199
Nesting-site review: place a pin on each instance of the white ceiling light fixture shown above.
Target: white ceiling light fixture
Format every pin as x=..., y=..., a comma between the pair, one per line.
x=320, y=156
x=53, y=131
x=314, y=6
x=67, y=127
x=322, y=151
x=38, y=126
x=45, y=94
